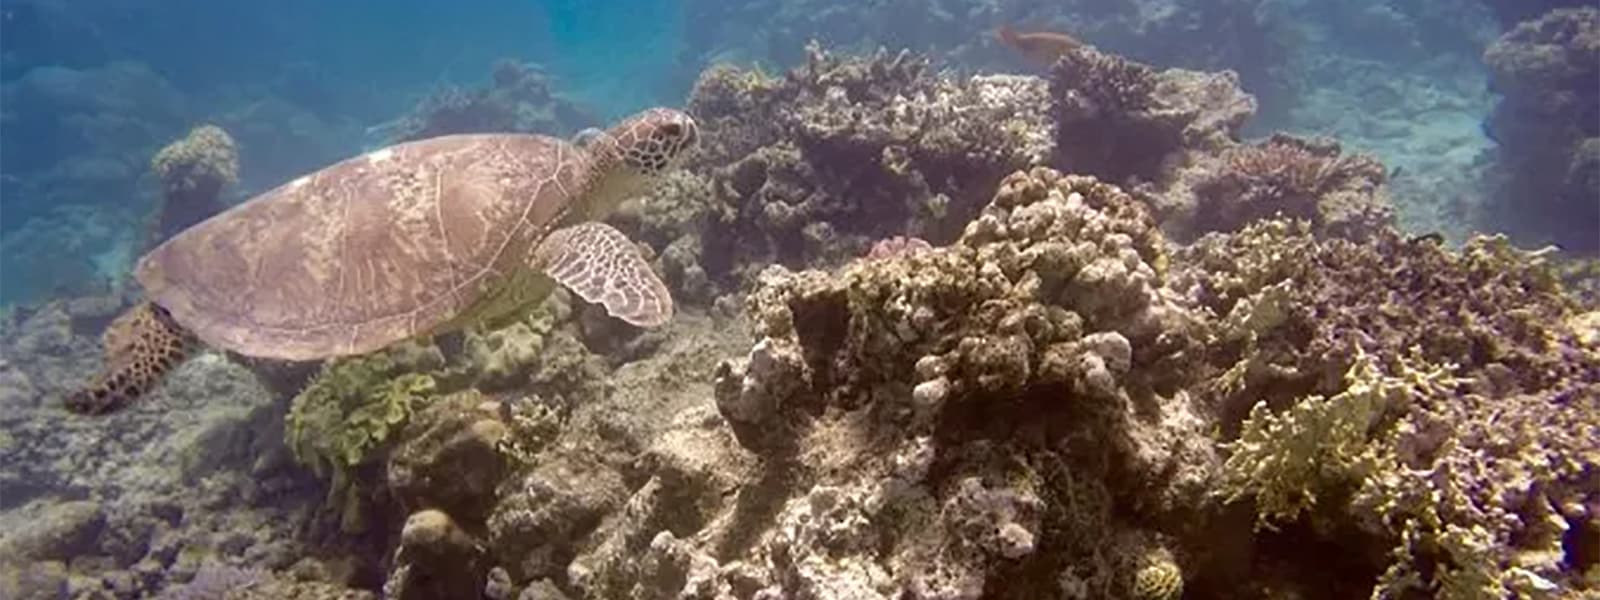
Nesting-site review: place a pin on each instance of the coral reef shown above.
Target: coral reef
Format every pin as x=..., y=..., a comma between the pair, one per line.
x=814, y=167
x=350, y=411
x=1447, y=361
x=989, y=389
x=126, y=506
x=76, y=143
x=192, y=172
x=518, y=98
x=1339, y=195
x=1191, y=34
x=1172, y=136
x=1513, y=12
x=914, y=362
x=1125, y=121
x=1548, y=126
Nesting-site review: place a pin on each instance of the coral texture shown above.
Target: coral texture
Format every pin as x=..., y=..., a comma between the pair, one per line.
x=1427, y=443
x=518, y=98
x=1548, y=127
x=988, y=390
x=1295, y=178
x=192, y=172
x=1119, y=119
x=842, y=151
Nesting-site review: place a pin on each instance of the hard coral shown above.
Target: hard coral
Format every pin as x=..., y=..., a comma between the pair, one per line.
x=1548, y=127
x=1429, y=445
x=844, y=150
x=1301, y=179
x=1118, y=119
x=192, y=172
x=994, y=380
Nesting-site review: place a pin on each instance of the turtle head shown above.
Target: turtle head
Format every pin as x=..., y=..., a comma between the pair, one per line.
x=645, y=146
x=654, y=141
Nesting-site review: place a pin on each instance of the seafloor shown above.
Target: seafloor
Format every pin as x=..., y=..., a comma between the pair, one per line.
x=940, y=336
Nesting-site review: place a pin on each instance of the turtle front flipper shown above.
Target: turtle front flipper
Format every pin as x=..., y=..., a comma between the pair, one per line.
x=141, y=347
x=600, y=265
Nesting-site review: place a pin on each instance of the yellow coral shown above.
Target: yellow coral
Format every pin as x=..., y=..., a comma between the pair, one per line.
x=206, y=157
x=1284, y=458
x=1159, y=578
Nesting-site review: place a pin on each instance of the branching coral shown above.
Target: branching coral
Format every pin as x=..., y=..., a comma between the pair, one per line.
x=1294, y=178
x=1105, y=83
x=1121, y=120
x=1462, y=435
x=813, y=167
x=1283, y=459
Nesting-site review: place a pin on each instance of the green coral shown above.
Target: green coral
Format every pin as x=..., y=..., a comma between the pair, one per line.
x=498, y=358
x=352, y=409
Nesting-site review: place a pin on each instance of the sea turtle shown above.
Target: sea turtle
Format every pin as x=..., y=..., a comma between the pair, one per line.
x=411, y=240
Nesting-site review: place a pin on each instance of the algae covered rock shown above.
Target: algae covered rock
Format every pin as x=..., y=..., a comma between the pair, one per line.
x=58, y=532
x=452, y=458
x=436, y=559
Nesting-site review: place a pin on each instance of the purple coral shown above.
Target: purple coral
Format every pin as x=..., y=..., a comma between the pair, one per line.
x=897, y=246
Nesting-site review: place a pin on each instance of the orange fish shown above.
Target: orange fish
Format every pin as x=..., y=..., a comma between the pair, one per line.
x=1041, y=47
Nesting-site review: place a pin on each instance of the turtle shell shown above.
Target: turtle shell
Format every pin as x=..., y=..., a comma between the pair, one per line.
x=372, y=250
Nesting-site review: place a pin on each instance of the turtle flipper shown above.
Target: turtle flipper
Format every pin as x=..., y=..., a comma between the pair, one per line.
x=600, y=265
x=141, y=347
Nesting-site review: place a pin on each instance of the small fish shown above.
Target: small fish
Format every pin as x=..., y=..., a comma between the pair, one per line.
x=1040, y=47
x=1396, y=172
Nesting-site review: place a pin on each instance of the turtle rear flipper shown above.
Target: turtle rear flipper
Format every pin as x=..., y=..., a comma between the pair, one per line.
x=141, y=347
x=600, y=265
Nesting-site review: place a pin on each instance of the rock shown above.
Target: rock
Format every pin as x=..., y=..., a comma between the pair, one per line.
x=33, y=581
x=60, y=532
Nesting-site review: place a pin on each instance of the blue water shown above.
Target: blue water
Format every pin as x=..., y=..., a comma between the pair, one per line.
x=297, y=83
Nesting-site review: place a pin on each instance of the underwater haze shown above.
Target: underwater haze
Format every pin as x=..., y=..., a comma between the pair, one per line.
x=812, y=299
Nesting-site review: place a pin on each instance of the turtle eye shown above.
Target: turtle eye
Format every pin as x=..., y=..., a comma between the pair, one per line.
x=672, y=130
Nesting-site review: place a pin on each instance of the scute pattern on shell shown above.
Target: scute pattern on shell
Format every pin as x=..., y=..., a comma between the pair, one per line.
x=369, y=251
